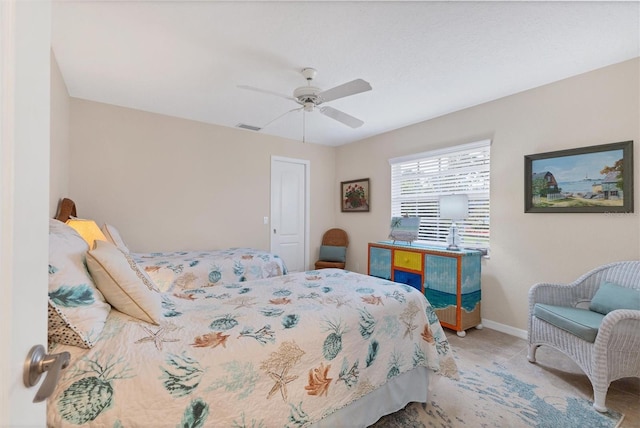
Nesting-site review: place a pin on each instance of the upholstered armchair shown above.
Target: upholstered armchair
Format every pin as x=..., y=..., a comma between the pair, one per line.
x=595, y=321
x=333, y=251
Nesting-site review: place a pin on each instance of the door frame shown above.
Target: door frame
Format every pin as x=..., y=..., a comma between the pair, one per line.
x=307, y=202
x=25, y=86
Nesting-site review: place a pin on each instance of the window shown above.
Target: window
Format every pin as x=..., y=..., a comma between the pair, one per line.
x=418, y=181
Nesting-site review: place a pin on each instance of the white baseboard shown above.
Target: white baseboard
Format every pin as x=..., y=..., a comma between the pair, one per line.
x=503, y=328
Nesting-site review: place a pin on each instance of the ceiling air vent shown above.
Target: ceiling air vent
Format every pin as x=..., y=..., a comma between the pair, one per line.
x=249, y=127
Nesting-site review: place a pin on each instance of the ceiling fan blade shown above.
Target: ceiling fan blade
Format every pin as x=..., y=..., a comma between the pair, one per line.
x=265, y=91
x=282, y=115
x=341, y=116
x=350, y=88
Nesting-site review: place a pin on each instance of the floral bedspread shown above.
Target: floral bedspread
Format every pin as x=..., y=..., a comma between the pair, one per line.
x=277, y=352
x=183, y=270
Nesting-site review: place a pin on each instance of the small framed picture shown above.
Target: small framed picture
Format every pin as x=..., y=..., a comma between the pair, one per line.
x=595, y=179
x=404, y=229
x=355, y=195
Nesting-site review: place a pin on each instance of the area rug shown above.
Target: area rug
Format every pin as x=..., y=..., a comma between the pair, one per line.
x=490, y=395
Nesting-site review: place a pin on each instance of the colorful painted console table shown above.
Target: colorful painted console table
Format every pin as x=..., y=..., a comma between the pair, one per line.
x=449, y=279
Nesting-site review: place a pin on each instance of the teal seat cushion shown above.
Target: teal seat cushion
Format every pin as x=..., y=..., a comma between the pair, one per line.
x=579, y=322
x=611, y=296
x=331, y=253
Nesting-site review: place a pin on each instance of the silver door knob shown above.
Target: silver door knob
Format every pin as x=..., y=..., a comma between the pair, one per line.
x=38, y=362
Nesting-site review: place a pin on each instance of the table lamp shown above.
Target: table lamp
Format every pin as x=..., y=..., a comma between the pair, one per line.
x=88, y=229
x=454, y=207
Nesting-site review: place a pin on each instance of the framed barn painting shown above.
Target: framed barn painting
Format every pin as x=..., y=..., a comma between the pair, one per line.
x=595, y=179
x=355, y=196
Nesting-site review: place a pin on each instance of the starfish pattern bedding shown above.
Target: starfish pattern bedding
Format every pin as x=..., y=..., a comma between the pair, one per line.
x=277, y=352
x=180, y=270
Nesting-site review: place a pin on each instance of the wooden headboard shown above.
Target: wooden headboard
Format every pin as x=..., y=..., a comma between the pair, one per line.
x=66, y=209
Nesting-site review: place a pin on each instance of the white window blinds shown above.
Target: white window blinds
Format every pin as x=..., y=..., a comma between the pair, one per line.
x=418, y=181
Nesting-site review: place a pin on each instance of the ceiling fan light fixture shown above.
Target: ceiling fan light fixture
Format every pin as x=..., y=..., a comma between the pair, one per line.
x=306, y=94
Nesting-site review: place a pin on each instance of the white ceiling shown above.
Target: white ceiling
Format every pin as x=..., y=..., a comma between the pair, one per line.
x=423, y=59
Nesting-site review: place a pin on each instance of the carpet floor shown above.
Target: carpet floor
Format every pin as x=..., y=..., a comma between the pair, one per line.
x=498, y=387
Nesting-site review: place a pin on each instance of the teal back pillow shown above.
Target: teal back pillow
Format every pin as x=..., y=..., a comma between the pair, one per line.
x=611, y=296
x=331, y=253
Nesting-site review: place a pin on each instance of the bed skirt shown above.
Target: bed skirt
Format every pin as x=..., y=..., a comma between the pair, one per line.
x=411, y=386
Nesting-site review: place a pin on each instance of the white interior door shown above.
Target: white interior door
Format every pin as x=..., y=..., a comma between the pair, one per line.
x=290, y=211
x=25, y=47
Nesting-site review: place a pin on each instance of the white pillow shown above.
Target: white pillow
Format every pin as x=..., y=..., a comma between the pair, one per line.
x=77, y=310
x=126, y=287
x=114, y=237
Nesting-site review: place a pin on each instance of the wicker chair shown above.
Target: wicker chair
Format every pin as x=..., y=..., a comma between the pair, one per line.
x=334, y=238
x=614, y=353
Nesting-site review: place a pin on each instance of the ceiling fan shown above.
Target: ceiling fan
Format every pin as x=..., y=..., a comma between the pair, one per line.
x=312, y=98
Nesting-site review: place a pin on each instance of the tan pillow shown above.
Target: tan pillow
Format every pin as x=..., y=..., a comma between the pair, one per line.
x=126, y=287
x=113, y=235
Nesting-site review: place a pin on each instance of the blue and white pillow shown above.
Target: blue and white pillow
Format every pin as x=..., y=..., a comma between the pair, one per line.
x=77, y=310
x=332, y=253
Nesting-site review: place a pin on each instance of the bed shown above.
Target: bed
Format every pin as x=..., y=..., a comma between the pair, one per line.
x=317, y=348
x=177, y=271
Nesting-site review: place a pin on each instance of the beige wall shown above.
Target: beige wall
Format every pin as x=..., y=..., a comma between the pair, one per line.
x=169, y=184
x=595, y=108
x=59, y=159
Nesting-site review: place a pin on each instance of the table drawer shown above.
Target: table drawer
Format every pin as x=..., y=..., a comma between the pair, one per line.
x=409, y=278
x=407, y=259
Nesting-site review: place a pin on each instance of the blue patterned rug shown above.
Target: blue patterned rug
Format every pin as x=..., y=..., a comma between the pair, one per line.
x=492, y=396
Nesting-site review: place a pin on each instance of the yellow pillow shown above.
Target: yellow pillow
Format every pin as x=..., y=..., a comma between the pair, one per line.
x=126, y=287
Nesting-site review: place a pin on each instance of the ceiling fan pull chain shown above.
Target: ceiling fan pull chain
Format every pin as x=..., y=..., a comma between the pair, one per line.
x=282, y=115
